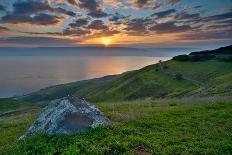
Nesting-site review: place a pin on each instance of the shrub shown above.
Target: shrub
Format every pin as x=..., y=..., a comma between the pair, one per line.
x=181, y=58
x=178, y=76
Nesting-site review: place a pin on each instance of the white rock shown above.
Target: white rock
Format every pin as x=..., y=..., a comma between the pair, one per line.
x=68, y=115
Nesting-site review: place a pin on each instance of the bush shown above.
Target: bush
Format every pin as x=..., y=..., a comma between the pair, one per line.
x=181, y=58
x=201, y=57
x=178, y=76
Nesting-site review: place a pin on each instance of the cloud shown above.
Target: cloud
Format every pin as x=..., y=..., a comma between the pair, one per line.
x=79, y=23
x=143, y=3
x=93, y=8
x=98, y=25
x=187, y=16
x=171, y=2
x=34, y=12
x=163, y=14
x=30, y=7
x=153, y=4
x=89, y=4
x=75, y=32
x=113, y=3
x=73, y=2
x=2, y=8
x=97, y=14
x=138, y=26
x=169, y=27
x=99, y=18
x=39, y=19
x=37, y=41
x=117, y=17
x=227, y=15
x=104, y=33
x=206, y=35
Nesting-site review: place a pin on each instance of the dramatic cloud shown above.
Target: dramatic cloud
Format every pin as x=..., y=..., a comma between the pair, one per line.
x=206, y=35
x=38, y=41
x=34, y=13
x=143, y=3
x=117, y=17
x=40, y=19
x=97, y=14
x=98, y=25
x=172, y=2
x=93, y=7
x=223, y=16
x=139, y=20
x=31, y=7
x=163, y=14
x=170, y=27
x=79, y=23
x=138, y=25
x=75, y=32
x=89, y=4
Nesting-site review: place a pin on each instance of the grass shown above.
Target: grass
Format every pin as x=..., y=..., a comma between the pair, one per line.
x=143, y=126
x=10, y=130
x=7, y=105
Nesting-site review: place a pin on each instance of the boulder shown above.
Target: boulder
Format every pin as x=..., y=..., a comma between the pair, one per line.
x=68, y=115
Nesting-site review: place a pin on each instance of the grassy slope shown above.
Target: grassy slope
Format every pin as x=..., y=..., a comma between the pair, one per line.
x=147, y=82
x=15, y=117
x=7, y=105
x=167, y=127
x=82, y=88
x=215, y=76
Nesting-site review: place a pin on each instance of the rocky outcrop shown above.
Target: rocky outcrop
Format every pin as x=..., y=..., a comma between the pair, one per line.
x=68, y=115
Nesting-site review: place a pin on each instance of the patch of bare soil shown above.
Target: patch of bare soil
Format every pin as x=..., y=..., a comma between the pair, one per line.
x=141, y=150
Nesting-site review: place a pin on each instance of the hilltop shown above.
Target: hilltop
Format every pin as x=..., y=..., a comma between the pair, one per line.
x=197, y=74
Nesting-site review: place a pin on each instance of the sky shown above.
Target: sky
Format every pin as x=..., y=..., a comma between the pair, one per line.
x=148, y=23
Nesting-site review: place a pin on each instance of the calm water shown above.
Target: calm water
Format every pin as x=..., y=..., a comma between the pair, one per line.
x=24, y=73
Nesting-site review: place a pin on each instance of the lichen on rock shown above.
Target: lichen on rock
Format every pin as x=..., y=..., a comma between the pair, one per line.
x=67, y=115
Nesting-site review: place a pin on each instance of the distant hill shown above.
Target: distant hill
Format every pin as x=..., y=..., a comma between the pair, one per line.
x=199, y=74
x=221, y=54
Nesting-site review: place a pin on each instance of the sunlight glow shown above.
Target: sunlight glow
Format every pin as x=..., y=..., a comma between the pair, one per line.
x=106, y=41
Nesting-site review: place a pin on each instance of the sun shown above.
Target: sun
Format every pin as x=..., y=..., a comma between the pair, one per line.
x=106, y=41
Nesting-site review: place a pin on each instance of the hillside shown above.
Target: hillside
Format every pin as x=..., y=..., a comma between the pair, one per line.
x=199, y=77
x=191, y=126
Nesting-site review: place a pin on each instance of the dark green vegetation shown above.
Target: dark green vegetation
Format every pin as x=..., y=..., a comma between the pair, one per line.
x=221, y=54
x=199, y=78
x=151, y=127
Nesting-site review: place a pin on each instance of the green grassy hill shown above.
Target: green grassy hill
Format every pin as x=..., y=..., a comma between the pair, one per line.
x=152, y=127
x=198, y=77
